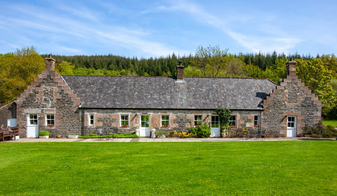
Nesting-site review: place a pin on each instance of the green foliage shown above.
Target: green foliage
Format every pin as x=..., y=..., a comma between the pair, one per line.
x=160, y=133
x=43, y=133
x=202, y=131
x=320, y=131
x=317, y=77
x=17, y=70
x=224, y=115
x=111, y=135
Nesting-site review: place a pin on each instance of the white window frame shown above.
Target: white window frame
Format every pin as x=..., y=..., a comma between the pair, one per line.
x=120, y=117
x=292, y=121
x=51, y=119
x=256, y=121
x=35, y=119
x=168, y=121
x=197, y=120
x=93, y=120
x=231, y=121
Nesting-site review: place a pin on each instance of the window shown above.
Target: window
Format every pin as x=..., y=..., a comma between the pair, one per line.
x=91, y=120
x=291, y=121
x=232, y=121
x=215, y=122
x=50, y=119
x=256, y=121
x=145, y=121
x=197, y=120
x=33, y=119
x=165, y=120
x=125, y=120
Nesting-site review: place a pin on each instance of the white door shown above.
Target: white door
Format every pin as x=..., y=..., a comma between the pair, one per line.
x=215, y=126
x=291, y=126
x=145, y=126
x=32, y=125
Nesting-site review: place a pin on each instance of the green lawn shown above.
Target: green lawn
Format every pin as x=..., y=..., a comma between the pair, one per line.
x=209, y=168
x=330, y=122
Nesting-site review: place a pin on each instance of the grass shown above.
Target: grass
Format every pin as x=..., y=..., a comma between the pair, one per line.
x=234, y=168
x=330, y=122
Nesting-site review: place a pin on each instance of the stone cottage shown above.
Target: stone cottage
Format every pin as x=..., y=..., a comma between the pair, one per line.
x=64, y=104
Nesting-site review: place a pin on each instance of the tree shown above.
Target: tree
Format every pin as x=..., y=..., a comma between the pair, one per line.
x=211, y=60
x=317, y=77
x=17, y=71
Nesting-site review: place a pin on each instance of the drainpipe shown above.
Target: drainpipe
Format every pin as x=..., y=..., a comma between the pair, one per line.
x=260, y=121
x=82, y=123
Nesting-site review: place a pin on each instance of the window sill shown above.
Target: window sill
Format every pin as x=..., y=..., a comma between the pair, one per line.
x=165, y=127
x=256, y=126
x=50, y=125
x=124, y=127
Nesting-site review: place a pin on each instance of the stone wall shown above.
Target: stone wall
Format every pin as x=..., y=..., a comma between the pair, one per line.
x=49, y=94
x=291, y=98
x=179, y=120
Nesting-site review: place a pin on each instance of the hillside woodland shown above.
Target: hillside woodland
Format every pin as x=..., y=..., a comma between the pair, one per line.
x=319, y=73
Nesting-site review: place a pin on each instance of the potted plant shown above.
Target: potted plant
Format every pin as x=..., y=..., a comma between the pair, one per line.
x=43, y=134
x=58, y=136
x=160, y=134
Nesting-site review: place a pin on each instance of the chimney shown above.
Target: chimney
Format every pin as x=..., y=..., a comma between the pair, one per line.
x=291, y=67
x=180, y=72
x=50, y=63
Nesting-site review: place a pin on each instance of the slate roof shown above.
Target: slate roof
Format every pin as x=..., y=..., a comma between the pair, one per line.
x=167, y=93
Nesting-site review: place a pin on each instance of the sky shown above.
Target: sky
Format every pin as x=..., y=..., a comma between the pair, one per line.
x=146, y=28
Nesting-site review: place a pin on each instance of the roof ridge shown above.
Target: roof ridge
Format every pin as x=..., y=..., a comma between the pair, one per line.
x=174, y=77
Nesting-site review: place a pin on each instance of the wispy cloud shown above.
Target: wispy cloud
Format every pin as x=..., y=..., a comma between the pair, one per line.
x=80, y=11
x=109, y=35
x=272, y=39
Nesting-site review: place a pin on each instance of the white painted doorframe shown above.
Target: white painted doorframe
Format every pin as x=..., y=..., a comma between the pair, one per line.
x=291, y=126
x=144, y=125
x=215, y=126
x=32, y=125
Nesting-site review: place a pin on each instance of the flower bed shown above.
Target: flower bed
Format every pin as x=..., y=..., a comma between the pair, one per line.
x=113, y=135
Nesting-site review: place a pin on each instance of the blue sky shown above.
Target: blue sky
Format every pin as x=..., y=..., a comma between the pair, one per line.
x=158, y=28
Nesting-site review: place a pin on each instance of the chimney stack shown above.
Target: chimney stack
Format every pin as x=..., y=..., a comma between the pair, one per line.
x=180, y=72
x=49, y=63
x=291, y=67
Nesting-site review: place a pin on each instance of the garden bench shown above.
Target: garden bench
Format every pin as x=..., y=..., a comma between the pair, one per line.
x=9, y=132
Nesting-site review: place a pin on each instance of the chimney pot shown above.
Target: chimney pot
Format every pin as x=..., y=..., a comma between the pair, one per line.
x=49, y=63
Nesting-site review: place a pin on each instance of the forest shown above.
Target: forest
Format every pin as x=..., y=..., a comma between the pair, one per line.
x=319, y=73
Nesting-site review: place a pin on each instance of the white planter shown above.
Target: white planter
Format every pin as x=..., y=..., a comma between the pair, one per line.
x=17, y=137
x=44, y=137
x=72, y=136
x=152, y=133
x=163, y=136
x=138, y=132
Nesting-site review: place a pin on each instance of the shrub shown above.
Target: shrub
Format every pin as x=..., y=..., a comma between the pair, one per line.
x=43, y=133
x=159, y=133
x=320, y=131
x=202, y=131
